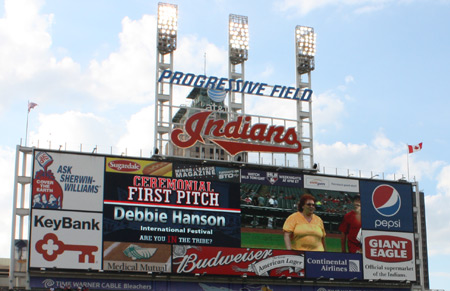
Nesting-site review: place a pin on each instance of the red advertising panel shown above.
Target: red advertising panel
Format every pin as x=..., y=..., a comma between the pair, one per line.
x=238, y=261
x=389, y=256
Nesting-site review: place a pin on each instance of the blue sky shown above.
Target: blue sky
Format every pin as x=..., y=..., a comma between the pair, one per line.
x=380, y=83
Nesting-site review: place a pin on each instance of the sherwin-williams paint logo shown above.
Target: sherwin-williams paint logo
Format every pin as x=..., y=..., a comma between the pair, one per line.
x=386, y=200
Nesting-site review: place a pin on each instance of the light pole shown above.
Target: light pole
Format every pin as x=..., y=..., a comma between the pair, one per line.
x=305, y=50
x=238, y=45
x=166, y=44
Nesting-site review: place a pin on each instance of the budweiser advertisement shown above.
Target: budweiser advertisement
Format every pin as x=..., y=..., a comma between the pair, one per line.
x=389, y=256
x=238, y=261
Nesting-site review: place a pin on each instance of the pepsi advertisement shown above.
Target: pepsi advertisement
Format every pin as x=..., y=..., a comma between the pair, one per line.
x=386, y=206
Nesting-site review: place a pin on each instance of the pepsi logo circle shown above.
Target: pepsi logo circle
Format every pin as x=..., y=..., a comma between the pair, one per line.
x=386, y=200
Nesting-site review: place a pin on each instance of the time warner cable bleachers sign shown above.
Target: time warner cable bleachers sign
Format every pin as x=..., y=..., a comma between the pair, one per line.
x=232, y=85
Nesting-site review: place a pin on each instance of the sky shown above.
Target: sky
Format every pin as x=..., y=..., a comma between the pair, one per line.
x=380, y=83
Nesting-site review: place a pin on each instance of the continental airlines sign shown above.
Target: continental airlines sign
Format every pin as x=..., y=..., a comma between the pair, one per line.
x=233, y=136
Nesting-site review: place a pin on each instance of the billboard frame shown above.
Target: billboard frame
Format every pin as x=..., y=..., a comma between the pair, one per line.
x=21, y=209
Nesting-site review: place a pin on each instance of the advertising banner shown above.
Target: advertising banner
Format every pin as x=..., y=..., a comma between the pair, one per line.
x=333, y=265
x=66, y=239
x=141, y=285
x=92, y=284
x=386, y=206
x=67, y=181
x=137, y=257
x=389, y=256
x=237, y=261
x=142, y=208
x=271, y=178
x=330, y=183
x=213, y=173
x=142, y=167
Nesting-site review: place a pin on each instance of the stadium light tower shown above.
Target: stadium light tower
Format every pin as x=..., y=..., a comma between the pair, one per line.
x=238, y=45
x=305, y=50
x=166, y=44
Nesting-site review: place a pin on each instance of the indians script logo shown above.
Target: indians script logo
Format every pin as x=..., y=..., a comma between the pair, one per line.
x=386, y=200
x=234, y=136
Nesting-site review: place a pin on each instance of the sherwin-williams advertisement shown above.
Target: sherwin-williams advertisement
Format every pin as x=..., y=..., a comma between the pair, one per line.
x=67, y=181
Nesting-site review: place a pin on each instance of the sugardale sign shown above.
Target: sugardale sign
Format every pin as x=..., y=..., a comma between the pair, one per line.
x=236, y=136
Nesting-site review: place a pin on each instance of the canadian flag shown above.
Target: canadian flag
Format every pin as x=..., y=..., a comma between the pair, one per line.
x=414, y=148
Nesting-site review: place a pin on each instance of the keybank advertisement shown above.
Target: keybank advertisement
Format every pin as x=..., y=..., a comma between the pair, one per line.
x=66, y=239
x=386, y=206
x=388, y=256
x=150, y=209
x=67, y=181
x=333, y=265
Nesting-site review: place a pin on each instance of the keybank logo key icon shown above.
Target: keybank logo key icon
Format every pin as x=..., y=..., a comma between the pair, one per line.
x=386, y=200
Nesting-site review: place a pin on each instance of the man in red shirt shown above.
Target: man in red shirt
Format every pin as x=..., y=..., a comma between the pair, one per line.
x=350, y=228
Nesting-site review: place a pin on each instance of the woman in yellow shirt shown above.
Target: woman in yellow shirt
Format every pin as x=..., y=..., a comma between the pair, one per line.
x=303, y=230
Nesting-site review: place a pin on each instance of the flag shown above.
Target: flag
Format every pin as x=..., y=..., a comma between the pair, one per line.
x=31, y=105
x=414, y=148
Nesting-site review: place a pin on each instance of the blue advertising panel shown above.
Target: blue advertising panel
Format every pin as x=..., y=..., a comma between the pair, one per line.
x=386, y=206
x=333, y=265
x=58, y=283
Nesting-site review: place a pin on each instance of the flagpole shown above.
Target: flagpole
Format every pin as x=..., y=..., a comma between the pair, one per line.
x=407, y=159
x=26, y=129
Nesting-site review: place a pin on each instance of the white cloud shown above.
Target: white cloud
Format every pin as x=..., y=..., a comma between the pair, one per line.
x=437, y=212
x=139, y=133
x=72, y=130
x=328, y=110
x=190, y=57
x=127, y=75
x=304, y=7
x=6, y=198
x=349, y=79
x=380, y=156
